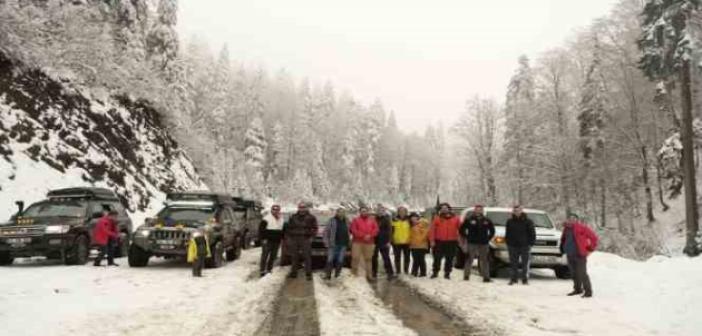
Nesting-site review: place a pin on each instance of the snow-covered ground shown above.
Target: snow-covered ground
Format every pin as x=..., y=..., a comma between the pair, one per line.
x=347, y=305
x=658, y=297
x=42, y=298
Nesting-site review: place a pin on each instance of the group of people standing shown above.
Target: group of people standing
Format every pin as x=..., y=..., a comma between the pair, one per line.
x=409, y=236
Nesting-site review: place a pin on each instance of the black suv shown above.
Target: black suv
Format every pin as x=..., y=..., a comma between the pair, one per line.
x=60, y=227
x=167, y=235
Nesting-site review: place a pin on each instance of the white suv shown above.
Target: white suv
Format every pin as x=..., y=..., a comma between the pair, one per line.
x=546, y=252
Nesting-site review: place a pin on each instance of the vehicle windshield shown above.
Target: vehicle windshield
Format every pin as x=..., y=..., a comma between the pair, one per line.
x=499, y=218
x=174, y=216
x=56, y=209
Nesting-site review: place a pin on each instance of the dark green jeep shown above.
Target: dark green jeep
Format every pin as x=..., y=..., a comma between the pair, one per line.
x=60, y=227
x=167, y=235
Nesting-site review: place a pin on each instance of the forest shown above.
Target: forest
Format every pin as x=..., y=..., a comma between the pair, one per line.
x=594, y=126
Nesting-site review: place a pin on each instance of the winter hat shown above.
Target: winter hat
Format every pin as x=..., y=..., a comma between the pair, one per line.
x=414, y=214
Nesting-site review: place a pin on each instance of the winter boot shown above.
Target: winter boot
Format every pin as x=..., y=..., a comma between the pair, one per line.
x=587, y=295
x=575, y=292
x=434, y=275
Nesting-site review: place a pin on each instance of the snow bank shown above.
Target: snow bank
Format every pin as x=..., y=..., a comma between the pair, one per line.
x=656, y=297
x=41, y=298
x=348, y=305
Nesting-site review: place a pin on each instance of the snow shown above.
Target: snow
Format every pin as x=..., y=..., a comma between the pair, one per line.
x=348, y=303
x=656, y=297
x=161, y=299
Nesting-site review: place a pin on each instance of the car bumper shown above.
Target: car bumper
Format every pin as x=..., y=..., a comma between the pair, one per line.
x=538, y=259
x=34, y=246
x=152, y=247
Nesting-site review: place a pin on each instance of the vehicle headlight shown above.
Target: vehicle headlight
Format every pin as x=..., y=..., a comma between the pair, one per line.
x=144, y=233
x=499, y=240
x=57, y=229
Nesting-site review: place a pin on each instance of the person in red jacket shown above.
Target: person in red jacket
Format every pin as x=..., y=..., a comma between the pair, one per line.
x=577, y=242
x=443, y=238
x=105, y=235
x=364, y=229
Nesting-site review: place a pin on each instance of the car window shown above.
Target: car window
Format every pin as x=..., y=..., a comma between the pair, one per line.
x=120, y=209
x=500, y=218
x=187, y=214
x=56, y=209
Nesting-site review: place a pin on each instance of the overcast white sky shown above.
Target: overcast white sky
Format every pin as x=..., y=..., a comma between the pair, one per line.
x=423, y=59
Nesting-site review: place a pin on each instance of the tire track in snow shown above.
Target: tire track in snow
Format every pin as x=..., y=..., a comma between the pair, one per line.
x=348, y=306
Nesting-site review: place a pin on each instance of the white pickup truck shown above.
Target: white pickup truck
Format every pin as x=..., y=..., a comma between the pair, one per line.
x=546, y=251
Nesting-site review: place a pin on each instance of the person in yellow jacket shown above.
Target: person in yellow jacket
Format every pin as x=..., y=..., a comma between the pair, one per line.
x=419, y=244
x=198, y=251
x=400, y=240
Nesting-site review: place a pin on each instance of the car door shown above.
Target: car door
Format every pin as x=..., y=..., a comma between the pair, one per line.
x=227, y=220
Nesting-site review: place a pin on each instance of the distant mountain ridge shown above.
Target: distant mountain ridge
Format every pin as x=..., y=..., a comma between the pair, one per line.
x=69, y=134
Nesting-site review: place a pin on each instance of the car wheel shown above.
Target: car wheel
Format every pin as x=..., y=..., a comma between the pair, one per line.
x=123, y=249
x=494, y=265
x=234, y=253
x=78, y=254
x=562, y=272
x=137, y=257
x=217, y=259
x=6, y=259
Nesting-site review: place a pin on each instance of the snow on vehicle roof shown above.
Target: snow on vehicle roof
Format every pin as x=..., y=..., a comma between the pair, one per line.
x=502, y=209
x=191, y=204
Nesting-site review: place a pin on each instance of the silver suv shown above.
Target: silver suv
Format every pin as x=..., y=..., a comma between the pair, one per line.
x=546, y=252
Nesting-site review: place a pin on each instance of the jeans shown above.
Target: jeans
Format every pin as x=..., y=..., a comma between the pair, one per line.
x=480, y=252
x=402, y=253
x=519, y=257
x=384, y=251
x=335, y=259
x=419, y=263
x=107, y=249
x=578, y=269
x=447, y=250
x=269, y=252
x=300, y=246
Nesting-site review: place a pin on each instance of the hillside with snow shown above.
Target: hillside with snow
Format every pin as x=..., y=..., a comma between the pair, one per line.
x=55, y=134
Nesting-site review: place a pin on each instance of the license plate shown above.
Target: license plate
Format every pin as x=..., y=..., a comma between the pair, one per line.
x=167, y=247
x=319, y=253
x=544, y=259
x=13, y=241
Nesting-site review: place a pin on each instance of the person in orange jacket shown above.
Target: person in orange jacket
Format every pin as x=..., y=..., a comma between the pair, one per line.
x=419, y=244
x=105, y=235
x=443, y=237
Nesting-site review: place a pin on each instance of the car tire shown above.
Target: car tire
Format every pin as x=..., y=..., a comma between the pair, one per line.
x=137, y=257
x=562, y=272
x=234, y=253
x=494, y=265
x=217, y=259
x=78, y=254
x=123, y=249
x=6, y=259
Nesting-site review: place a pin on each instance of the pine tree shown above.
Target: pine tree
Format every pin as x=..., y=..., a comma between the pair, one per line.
x=255, y=155
x=667, y=52
x=519, y=104
x=162, y=40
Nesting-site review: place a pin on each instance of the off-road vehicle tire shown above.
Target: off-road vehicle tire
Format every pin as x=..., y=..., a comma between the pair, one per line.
x=234, y=253
x=137, y=257
x=6, y=259
x=122, y=250
x=78, y=254
x=562, y=272
x=217, y=259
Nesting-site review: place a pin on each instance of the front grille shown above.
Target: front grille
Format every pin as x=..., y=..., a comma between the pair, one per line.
x=546, y=243
x=23, y=231
x=168, y=235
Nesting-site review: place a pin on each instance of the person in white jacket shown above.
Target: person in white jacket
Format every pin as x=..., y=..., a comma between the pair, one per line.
x=271, y=233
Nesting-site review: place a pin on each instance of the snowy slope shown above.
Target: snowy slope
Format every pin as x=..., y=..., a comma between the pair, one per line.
x=53, y=134
x=658, y=297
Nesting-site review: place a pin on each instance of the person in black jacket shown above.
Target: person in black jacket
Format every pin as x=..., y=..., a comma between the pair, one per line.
x=299, y=231
x=382, y=242
x=477, y=231
x=271, y=233
x=520, y=237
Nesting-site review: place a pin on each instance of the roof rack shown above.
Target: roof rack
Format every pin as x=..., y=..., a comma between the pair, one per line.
x=79, y=192
x=249, y=203
x=199, y=196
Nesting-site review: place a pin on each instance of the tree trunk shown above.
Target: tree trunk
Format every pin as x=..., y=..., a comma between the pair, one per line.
x=688, y=158
x=647, y=185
